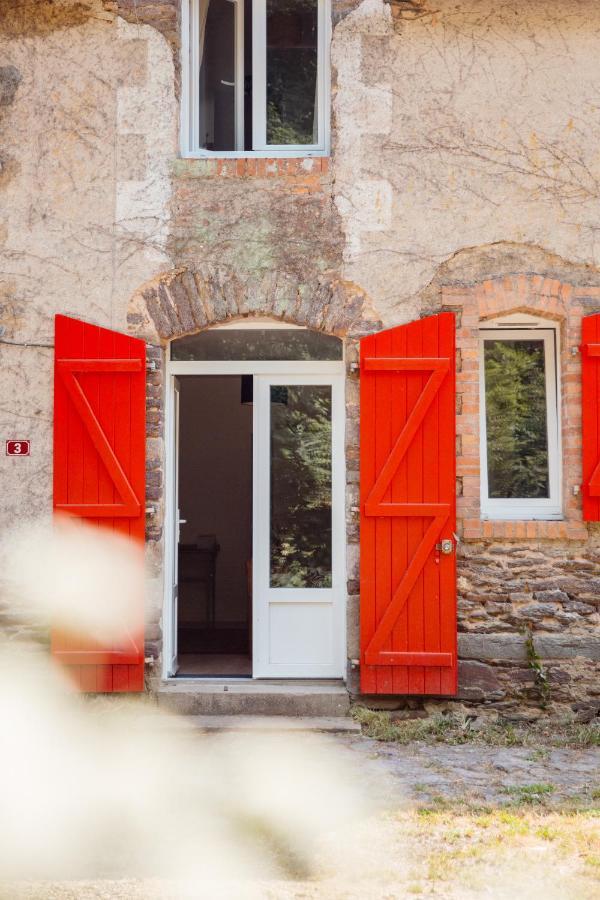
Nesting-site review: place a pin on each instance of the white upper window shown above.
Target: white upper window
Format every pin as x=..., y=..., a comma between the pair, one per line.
x=520, y=432
x=255, y=77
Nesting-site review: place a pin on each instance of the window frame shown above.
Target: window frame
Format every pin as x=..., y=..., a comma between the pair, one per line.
x=525, y=328
x=190, y=69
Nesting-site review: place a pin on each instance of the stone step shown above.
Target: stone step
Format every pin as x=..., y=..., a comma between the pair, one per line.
x=275, y=724
x=252, y=698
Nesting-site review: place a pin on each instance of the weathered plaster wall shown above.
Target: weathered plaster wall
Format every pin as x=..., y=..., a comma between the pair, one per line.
x=87, y=134
x=460, y=124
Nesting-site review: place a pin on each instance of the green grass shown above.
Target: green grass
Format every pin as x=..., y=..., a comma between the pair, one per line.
x=453, y=729
x=529, y=793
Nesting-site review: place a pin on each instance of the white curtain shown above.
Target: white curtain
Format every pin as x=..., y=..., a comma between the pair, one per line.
x=202, y=16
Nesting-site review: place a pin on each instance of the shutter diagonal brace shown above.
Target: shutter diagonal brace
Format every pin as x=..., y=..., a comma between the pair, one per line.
x=375, y=655
x=131, y=505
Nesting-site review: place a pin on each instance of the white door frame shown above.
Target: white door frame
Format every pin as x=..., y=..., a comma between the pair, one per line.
x=330, y=372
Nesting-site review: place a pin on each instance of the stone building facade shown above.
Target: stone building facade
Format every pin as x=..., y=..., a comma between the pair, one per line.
x=463, y=175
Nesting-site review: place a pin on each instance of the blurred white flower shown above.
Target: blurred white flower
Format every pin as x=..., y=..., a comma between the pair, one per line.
x=75, y=576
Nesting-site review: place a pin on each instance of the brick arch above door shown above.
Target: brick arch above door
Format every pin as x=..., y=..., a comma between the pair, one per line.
x=183, y=301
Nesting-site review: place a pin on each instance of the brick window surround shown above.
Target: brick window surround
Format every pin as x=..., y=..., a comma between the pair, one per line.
x=474, y=305
x=305, y=170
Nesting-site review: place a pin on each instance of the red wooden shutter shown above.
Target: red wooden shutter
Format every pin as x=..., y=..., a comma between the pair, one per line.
x=590, y=410
x=408, y=507
x=99, y=471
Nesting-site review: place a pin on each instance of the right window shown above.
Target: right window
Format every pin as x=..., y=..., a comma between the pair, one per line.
x=520, y=436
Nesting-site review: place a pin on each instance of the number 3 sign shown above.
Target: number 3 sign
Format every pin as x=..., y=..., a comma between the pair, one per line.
x=17, y=448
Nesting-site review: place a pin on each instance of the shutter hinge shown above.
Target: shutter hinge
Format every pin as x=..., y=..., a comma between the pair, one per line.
x=576, y=489
x=355, y=367
x=575, y=351
x=149, y=661
x=150, y=365
x=150, y=510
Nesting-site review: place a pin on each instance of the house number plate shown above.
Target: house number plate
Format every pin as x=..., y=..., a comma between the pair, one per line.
x=18, y=448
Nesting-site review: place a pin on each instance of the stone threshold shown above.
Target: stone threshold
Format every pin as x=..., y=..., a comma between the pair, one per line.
x=202, y=685
x=275, y=724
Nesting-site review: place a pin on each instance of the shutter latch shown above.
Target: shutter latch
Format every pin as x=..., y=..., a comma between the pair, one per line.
x=446, y=547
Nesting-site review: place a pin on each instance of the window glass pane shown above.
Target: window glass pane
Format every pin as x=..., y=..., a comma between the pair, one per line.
x=257, y=343
x=300, y=486
x=292, y=72
x=217, y=75
x=517, y=429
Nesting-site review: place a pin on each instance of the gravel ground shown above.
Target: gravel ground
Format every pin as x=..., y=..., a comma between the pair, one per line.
x=448, y=821
x=476, y=773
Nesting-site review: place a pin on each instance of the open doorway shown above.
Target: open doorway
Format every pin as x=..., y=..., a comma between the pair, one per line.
x=214, y=634
x=255, y=504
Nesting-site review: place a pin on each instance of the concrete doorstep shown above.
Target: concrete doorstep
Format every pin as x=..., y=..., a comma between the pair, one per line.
x=249, y=699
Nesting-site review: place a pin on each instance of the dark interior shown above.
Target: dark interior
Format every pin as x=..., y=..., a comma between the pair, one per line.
x=215, y=545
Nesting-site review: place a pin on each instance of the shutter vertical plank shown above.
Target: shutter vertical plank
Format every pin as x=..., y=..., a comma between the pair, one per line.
x=383, y=527
x=594, y=481
x=593, y=403
x=106, y=412
x=122, y=421
x=432, y=464
x=590, y=400
x=368, y=561
x=91, y=386
x=106, y=488
x=416, y=628
x=399, y=524
x=99, y=474
x=408, y=505
x=447, y=488
x=104, y=679
x=75, y=462
x=121, y=428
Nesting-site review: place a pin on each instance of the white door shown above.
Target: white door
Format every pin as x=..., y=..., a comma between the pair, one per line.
x=298, y=570
x=174, y=532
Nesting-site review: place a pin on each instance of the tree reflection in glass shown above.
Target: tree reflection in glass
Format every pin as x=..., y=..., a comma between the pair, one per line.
x=300, y=486
x=292, y=63
x=516, y=421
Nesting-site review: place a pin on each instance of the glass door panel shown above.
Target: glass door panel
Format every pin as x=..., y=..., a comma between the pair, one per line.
x=298, y=526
